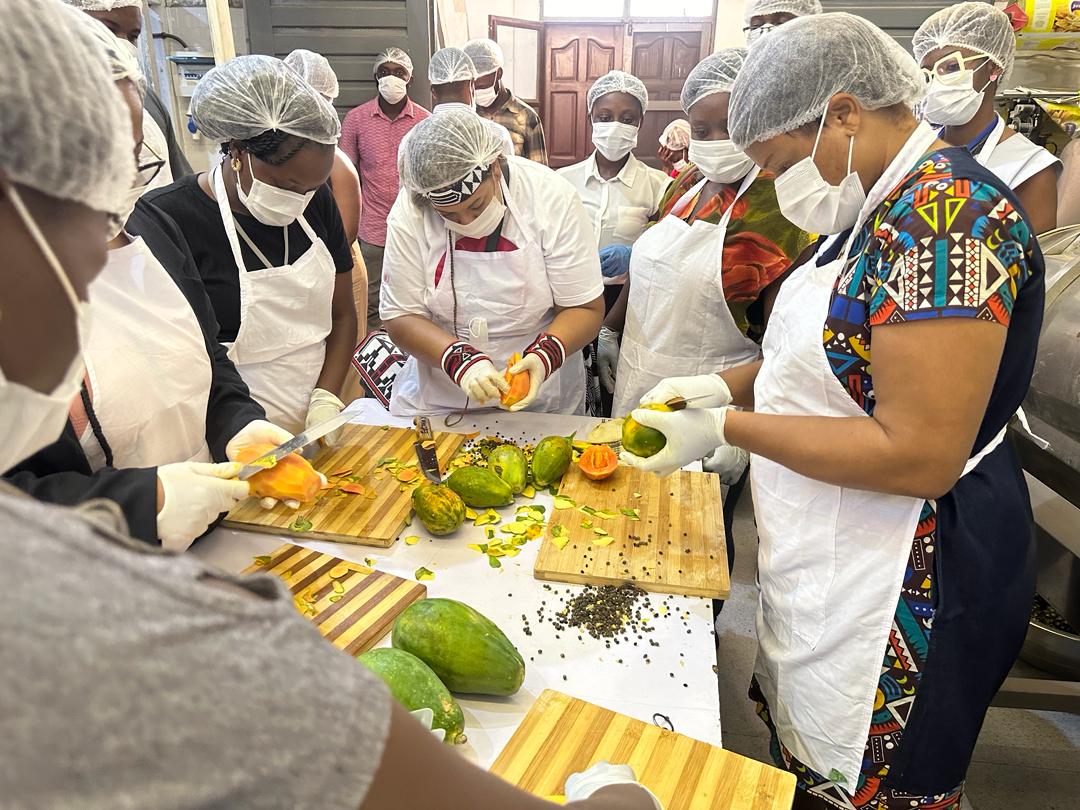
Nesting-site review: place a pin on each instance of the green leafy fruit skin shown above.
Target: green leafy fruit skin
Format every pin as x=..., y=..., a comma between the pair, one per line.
x=415, y=686
x=640, y=440
x=439, y=508
x=508, y=462
x=463, y=647
x=551, y=460
x=480, y=488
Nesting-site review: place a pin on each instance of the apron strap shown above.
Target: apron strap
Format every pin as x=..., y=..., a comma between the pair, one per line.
x=986, y=151
x=95, y=424
x=255, y=248
x=746, y=183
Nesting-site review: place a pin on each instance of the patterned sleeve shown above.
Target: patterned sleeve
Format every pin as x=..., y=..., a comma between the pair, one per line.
x=535, y=146
x=948, y=248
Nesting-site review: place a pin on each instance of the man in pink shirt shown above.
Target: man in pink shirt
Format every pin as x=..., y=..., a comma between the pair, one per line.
x=370, y=136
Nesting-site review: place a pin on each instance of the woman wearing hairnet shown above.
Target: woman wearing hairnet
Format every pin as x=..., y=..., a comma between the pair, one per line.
x=967, y=52
x=762, y=16
x=886, y=499
x=674, y=141
x=486, y=257
x=268, y=239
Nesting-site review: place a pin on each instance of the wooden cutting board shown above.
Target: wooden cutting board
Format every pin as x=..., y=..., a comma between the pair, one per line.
x=352, y=518
x=562, y=735
x=676, y=547
x=352, y=605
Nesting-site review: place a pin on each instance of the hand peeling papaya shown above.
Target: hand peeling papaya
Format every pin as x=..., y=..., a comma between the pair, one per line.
x=519, y=383
x=291, y=479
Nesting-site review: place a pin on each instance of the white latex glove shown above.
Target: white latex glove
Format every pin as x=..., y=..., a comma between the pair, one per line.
x=711, y=386
x=607, y=358
x=727, y=461
x=531, y=363
x=583, y=785
x=195, y=494
x=483, y=382
x=257, y=432
x=691, y=435
x=322, y=406
x=426, y=717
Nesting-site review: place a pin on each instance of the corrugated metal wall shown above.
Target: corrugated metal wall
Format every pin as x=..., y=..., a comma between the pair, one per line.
x=899, y=18
x=349, y=33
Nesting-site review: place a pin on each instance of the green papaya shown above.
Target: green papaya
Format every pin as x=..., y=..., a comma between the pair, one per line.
x=415, y=686
x=439, y=508
x=480, y=487
x=551, y=459
x=508, y=462
x=462, y=646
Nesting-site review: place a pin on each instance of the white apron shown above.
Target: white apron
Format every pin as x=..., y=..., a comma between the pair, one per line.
x=147, y=364
x=285, y=316
x=677, y=319
x=504, y=301
x=831, y=559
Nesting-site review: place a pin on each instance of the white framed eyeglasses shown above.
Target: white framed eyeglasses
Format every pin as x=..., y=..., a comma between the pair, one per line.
x=954, y=63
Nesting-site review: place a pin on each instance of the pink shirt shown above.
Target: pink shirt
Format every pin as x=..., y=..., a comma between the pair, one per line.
x=370, y=139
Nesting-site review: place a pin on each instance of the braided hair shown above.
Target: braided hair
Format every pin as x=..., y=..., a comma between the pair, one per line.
x=264, y=146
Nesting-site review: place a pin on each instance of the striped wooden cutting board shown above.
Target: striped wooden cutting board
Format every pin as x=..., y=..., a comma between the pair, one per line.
x=372, y=519
x=352, y=605
x=562, y=735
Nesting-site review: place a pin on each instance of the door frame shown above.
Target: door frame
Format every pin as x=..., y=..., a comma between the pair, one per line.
x=495, y=21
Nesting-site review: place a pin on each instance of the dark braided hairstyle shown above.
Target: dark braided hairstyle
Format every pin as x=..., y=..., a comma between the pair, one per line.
x=265, y=145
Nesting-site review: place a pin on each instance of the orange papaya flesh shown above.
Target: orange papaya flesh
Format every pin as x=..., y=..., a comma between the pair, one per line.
x=291, y=479
x=598, y=461
x=519, y=383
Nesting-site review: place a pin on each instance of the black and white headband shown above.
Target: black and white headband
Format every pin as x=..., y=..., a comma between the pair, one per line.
x=461, y=190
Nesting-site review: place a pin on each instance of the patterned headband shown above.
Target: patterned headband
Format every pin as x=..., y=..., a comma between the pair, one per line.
x=461, y=190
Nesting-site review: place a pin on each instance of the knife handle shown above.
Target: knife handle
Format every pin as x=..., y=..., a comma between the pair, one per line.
x=677, y=403
x=423, y=428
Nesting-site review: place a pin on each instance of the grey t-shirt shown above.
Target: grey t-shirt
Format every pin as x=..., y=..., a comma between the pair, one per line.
x=134, y=678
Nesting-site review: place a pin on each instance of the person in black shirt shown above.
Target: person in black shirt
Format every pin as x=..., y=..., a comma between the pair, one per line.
x=267, y=237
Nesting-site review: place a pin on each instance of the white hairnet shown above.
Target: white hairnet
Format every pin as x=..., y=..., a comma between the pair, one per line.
x=64, y=130
x=974, y=26
x=250, y=95
x=102, y=5
x=443, y=148
x=315, y=70
x=800, y=8
x=714, y=74
x=615, y=81
x=397, y=56
x=121, y=55
x=486, y=55
x=790, y=75
x=676, y=135
x=450, y=65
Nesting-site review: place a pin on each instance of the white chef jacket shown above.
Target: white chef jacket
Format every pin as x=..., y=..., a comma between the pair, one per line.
x=619, y=208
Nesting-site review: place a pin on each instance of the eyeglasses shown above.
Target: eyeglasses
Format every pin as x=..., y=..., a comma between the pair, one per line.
x=148, y=171
x=753, y=32
x=954, y=63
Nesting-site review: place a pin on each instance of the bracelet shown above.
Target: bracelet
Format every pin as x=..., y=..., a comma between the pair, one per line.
x=550, y=350
x=460, y=357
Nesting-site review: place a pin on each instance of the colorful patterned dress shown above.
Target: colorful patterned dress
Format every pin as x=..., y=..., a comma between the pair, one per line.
x=948, y=242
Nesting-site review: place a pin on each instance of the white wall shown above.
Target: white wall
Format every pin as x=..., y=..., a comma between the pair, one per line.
x=729, y=24
x=478, y=11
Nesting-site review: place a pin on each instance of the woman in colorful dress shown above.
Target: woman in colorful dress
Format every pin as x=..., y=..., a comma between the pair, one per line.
x=886, y=500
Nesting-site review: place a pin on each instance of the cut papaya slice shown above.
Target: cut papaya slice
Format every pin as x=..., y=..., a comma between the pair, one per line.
x=598, y=461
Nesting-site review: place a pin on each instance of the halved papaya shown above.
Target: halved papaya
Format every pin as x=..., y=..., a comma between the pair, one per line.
x=291, y=479
x=519, y=383
x=598, y=461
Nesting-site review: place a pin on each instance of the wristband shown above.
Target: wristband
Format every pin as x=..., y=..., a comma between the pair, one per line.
x=550, y=350
x=458, y=358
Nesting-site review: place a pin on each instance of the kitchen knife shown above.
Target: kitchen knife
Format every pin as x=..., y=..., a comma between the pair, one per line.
x=293, y=445
x=680, y=403
x=425, y=450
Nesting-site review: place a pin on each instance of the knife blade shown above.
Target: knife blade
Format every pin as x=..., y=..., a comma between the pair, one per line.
x=293, y=445
x=680, y=403
x=426, y=453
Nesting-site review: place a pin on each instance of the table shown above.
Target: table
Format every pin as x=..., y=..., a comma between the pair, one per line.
x=680, y=681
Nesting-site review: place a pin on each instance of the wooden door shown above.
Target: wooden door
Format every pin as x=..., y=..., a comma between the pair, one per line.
x=575, y=55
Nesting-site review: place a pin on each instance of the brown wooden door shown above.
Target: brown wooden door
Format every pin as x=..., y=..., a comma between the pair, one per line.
x=574, y=57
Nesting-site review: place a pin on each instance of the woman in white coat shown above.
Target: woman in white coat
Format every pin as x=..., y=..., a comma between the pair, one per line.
x=486, y=257
x=967, y=52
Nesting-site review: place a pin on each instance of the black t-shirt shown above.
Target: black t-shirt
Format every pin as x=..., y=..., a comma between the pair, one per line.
x=200, y=221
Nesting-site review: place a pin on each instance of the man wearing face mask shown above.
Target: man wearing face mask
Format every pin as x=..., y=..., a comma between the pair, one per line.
x=762, y=16
x=160, y=398
x=487, y=257
x=967, y=52
x=451, y=74
x=267, y=238
x=620, y=194
x=371, y=135
x=496, y=102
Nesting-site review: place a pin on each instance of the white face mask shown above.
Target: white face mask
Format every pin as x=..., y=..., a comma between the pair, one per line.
x=807, y=199
x=30, y=419
x=719, y=161
x=484, y=224
x=392, y=89
x=952, y=99
x=132, y=197
x=614, y=140
x=485, y=96
x=272, y=205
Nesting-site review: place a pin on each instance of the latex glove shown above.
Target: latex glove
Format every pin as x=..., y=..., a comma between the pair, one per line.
x=711, y=386
x=584, y=784
x=615, y=261
x=258, y=431
x=426, y=717
x=322, y=406
x=607, y=358
x=195, y=494
x=728, y=462
x=531, y=363
x=483, y=382
x=691, y=435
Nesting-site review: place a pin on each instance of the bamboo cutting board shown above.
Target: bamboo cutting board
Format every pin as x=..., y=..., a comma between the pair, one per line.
x=352, y=605
x=343, y=518
x=676, y=547
x=562, y=735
